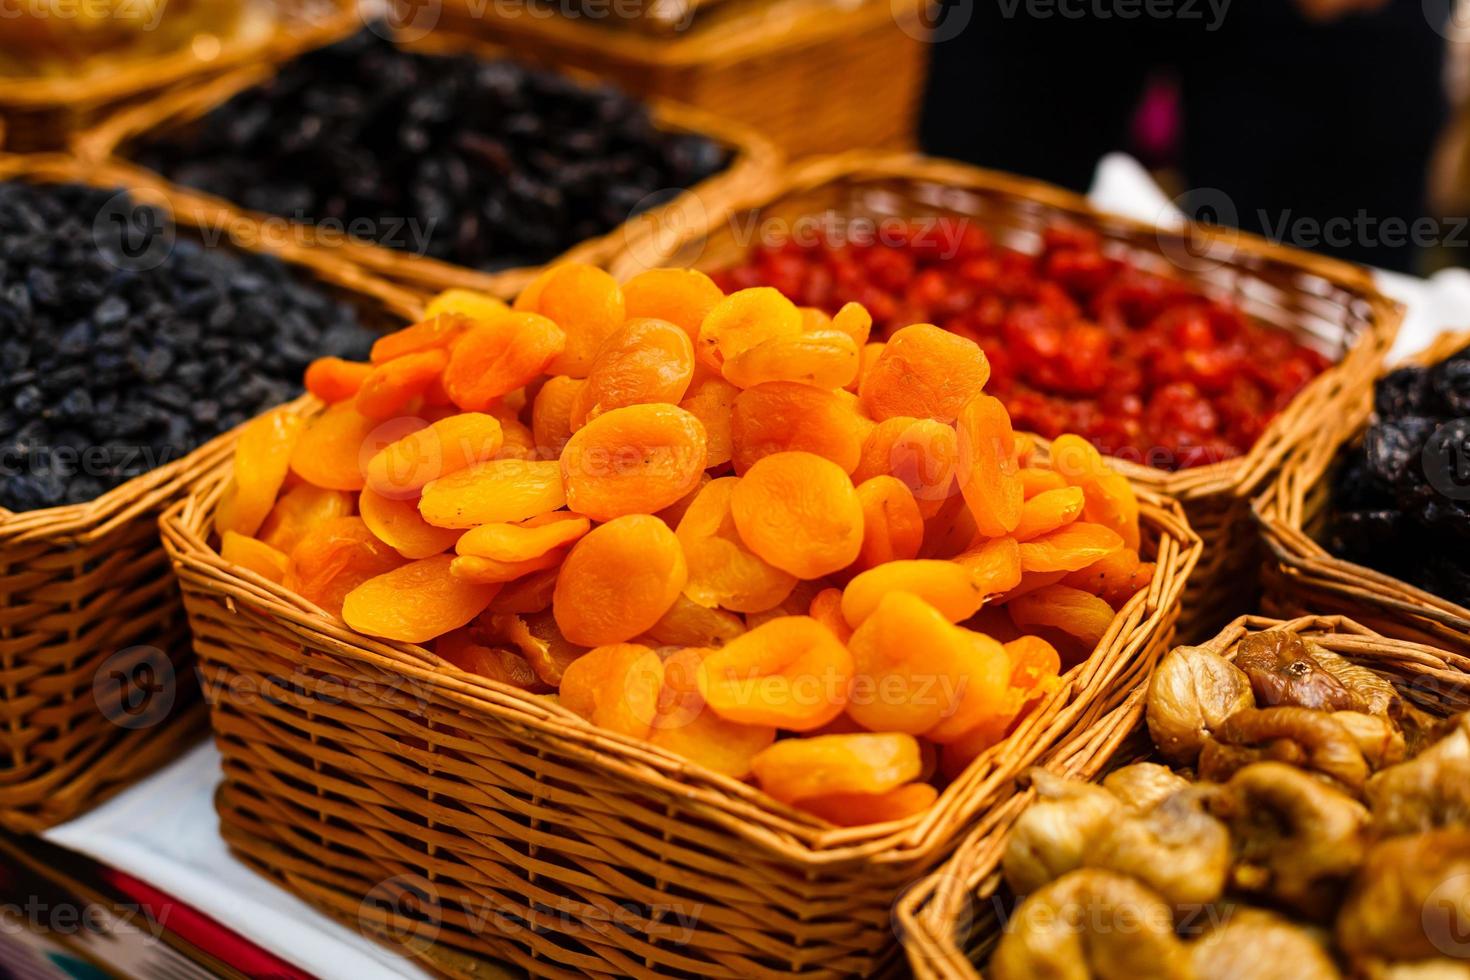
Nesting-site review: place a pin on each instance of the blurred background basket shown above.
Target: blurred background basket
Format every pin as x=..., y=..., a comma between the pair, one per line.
x=43, y=111
x=952, y=920
x=371, y=777
x=1324, y=303
x=98, y=680
x=752, y=165
x=1304, y=575
x=775, y=65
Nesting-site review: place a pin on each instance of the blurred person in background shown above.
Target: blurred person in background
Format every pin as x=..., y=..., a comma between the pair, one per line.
x=1315, y=120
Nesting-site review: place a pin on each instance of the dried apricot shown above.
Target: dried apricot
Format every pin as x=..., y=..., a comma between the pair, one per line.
x=633, y=460
x=587, y=304
x=298, y=510
x=262, y=459
x=416, y=602
x=497, y=357
x=1047, y=511
x=478, y=307
x=402, y=468
x=336, y=556
x=524, y=540
x=921, y=453
x=826, y=608
x=790, y=673
x=924, y=372
x=519, y=442
x=391, y=386
x=722, y=570
x=909, y=666
x=802, y=768
x=437, y=331
x=255, y=556
x=1079, y=614
x=615, y=687
x=986, y=467
x=684, y=724
x=1036, y=481
x=994, y=565
x=527, y=594
x=619, y=580
x=861, y=809
x=335, y=446
x=398, y=524
x=499, y=491
x=688, y=624
x=551, y=414
x=643, y=361
x=783, y=416
x=854, y=320
x=743, y=319
x=822, y=358
x=944, y=585
x=1069, y=548
x=333, y=380
x=683, y=297
x=893, y=528
x=493, y=571
x=711, y=399
x=1115, y=578
x=1110, y=498
x=867, y=357
x=800, y=513
x=985, y=692
x=495, y=662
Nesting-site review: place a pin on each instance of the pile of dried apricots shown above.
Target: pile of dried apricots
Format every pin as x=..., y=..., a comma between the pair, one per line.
x=724, y=524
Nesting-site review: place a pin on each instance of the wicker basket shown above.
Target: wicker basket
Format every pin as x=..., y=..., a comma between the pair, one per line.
x=1326, y=303
x=771, y=64
x=1303, y=574
x=359, y=772
x=752, y=166
x=43, y=113
x=92, y=635
x=952, y=920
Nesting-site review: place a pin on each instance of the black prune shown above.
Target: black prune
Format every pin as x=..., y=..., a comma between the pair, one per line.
x=1450, y=382
x=484, y=164
x=1393, y=446
x=1403, y=392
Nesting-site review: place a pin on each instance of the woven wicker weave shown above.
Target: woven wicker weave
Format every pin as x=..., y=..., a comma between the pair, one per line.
x=1304, y=575
x=90, y=621
x=752, y=165
x=43, y=113
x=357, y=768
x=771, y=64
x=1323, y=302
x=951, y=920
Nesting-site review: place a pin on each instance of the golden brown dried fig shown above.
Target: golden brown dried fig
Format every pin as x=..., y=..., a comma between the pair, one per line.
x=1191, y=692
x=1176, y=848
x=1282, y=671
x=1055, y=833
x=1410, y=899
x=1300, y=737
x=1374, y=694
x=1295, y=838
x=1378, y=738
x=1261, y=945
x=1430, y=790
x=1143, y=784
x=1438, y=969
x=1090, y=924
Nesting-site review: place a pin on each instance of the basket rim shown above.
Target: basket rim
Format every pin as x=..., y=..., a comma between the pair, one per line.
x=1239, y=477
x=752, y=814
x=926, y=913
x=754, y=159
x=1280, y=511
x=133, y=76
x=97, y=517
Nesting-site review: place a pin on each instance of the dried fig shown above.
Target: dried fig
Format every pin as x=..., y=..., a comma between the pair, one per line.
x=1056, y=832
x=1410, y=898
x=1144, y=784
x=1282, y=671
x=1091, y=923
x=1176, y=848
x=1375, y=695
x=1261, y=945
x=1296, y=838
x=1378, y=738
x=1192, y=692
x=1430, y=790
x=1301, y=737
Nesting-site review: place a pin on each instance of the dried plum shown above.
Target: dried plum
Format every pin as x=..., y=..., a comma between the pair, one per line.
x=121, y=353
x=1405, y=391
x=488, y=164
x=1450, y=382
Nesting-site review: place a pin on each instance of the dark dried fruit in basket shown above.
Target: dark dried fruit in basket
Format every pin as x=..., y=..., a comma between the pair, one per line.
x=487, y=164
x=122, y=348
